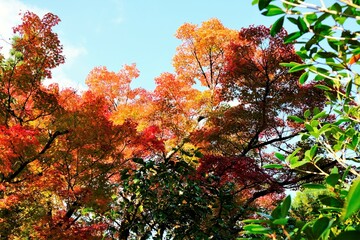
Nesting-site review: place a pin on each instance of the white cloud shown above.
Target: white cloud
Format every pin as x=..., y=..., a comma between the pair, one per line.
x=60, y=77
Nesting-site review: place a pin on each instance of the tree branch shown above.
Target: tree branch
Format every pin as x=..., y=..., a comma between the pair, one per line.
x=25, y=163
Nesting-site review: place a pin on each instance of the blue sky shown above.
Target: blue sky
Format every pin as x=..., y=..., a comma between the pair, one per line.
x=112, y=33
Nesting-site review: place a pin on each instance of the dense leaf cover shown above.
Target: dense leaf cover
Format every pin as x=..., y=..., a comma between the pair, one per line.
x=184, y=161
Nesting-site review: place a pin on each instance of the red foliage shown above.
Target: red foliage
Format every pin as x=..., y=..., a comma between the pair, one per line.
x=38, y=44
x=239, y=170
x=261, y=93
x=16, y=143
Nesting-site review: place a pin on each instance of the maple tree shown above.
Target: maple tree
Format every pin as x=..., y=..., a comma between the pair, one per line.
x=53, y=163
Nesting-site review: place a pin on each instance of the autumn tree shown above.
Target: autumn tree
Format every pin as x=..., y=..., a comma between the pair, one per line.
x=59, y=149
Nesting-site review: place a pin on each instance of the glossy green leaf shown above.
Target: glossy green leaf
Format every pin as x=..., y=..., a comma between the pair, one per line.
x=281, y=221
x=327, y=54
x=295, y=119
x=310, y=18
x=276, y=213
x=263, y=4
x=333, y=179
x=256, y=229
x=298, y=67
x=309, y=127
x=352, y=202
x=314, y=123
x=290, y=64
x=292, y=37
x=323, y=87
x=303, y=77
x=320, y=226
x=313, y=151
x=296, y=164
x=348, y=88
x=276, y=27
x=273, y=10
x=302, y=25
x=330, y=201
x=273, y=166
x=320, y=115
x=279, y=156
x=285, y=206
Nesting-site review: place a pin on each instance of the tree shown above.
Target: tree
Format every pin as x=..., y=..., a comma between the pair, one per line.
x=59, y=149
x=261, y=94
x=329, y=54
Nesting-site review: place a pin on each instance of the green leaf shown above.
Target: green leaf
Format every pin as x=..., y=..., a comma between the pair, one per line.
x=293, y=20
x=256, y=229
x=290, y=64
x=295, y=119
x=335, y=170
x=273, y=10
x=299, y=67
x=303, y=77
x=313, y=150
x=279, y=156
x=352, y=202
x=314, y=186
x=320, y=115
x=336, y=7
x=276, y=213
x=198, y=154
x=327, y=54
x=302, y=25
x=330, y=201
x=285, y=206
x=276, y=166
x=323, y=87
x=292, y=36
x=276, y=27
x=296, y=163
x=291, y=157
x=333, y=179
x=320, y=226
x=314, y=123
x=309, y=127
x=281, y=221
x=348, y=88
x=307, y=113
x=86, y=210
x=348, y=235
x=263, y=4
x=311, y=18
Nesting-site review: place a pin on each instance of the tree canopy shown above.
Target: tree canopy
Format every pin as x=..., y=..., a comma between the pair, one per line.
x=208, y=154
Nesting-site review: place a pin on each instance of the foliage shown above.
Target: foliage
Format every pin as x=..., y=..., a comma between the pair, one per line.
x=182, y=161
x=329, y=51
